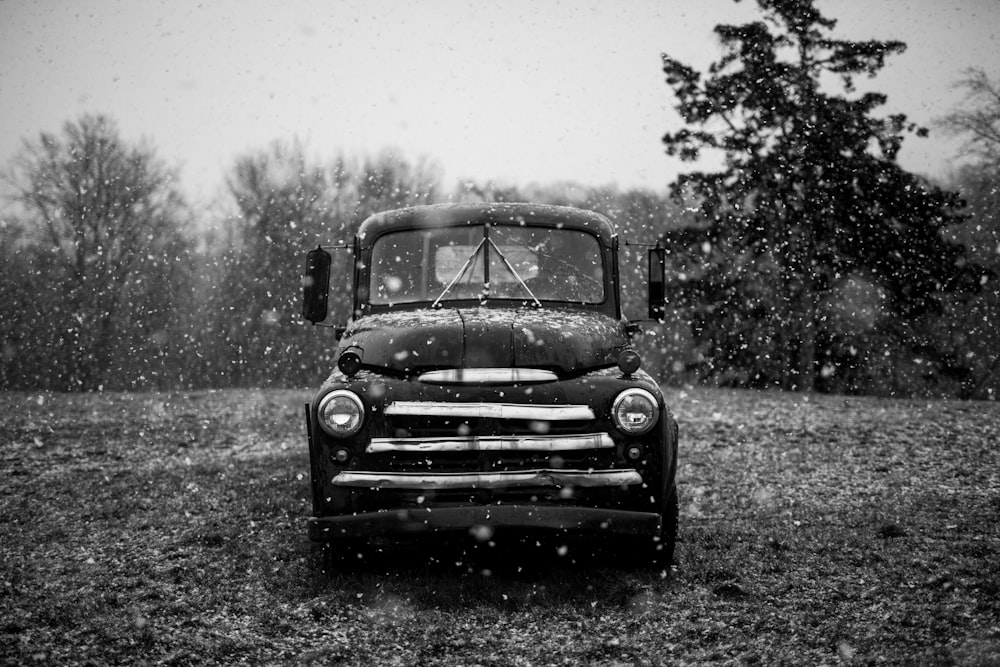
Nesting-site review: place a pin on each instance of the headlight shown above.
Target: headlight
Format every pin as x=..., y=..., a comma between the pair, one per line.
x=341, y=413
x=635, y=411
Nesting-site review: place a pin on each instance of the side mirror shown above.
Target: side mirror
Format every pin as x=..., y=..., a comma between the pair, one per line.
x=316, y=285
x=657, y=282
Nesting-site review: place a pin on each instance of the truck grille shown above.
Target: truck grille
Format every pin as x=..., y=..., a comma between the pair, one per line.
x=489, y=437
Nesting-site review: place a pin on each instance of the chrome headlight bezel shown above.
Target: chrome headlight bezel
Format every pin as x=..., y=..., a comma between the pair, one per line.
x=334, y=407
x=635, y=401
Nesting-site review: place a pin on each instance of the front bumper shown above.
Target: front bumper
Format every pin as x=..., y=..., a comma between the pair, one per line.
x=580, y=521
x=540, y=479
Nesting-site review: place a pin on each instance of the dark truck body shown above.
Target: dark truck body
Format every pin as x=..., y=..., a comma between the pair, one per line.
x=474, y=395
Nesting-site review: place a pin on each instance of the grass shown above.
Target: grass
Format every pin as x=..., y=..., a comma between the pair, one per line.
x=170, y=529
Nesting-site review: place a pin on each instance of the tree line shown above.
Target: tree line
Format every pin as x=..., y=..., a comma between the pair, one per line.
x=809, y=261
x=113, y=282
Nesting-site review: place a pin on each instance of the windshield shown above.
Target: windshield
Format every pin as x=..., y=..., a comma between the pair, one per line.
x=471, y=262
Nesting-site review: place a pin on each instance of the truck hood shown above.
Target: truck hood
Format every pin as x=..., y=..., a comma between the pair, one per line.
x=566, y=341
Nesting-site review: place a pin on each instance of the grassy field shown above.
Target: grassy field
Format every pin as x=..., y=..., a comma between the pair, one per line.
x=170, y=528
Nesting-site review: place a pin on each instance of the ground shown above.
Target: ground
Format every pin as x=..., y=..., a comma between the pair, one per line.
x=170, y=528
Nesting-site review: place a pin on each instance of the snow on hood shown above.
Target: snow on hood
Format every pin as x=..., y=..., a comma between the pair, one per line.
x=567, y=341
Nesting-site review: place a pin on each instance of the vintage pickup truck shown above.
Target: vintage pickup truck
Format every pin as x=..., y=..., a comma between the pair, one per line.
x=487, y=385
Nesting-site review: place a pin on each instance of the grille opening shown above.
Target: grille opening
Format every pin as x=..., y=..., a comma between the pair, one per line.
x=427, y=462
x=410, y=426
x=430, y=427
x=543, y=427
x=476, y=461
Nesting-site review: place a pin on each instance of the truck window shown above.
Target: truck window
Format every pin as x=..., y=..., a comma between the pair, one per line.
x=413, y=266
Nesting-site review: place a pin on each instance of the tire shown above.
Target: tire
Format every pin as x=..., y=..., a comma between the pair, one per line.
x=342, y=556
x=654, y=552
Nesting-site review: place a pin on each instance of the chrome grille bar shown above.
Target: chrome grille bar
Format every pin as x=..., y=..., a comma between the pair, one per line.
x=476, y=376
x=491, y=410
x=492, y=444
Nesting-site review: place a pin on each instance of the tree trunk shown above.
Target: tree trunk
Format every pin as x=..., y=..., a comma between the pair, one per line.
x=805, y=357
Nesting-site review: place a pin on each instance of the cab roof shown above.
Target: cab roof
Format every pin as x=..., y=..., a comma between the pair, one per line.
x=448, y=215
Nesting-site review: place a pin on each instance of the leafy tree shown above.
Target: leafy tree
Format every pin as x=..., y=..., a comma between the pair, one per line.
x=809, y=201
x=100, y=262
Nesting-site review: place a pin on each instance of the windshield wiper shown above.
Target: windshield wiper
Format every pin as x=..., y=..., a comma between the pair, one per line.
x=461, y=272
x=510, y=267
x=486, y=269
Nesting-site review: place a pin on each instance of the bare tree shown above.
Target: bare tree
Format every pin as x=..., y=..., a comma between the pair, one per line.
x=979, y=120
x=281, y=200
x=388, y=181
x=103, y=224
x=285, y=204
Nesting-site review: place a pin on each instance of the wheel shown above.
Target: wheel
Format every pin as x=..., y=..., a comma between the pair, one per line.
x=657, y=551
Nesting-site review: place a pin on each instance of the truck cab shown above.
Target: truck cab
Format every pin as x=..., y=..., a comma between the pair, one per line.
x=487, y=384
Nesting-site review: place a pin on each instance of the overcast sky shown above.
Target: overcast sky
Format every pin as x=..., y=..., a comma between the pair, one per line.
x=518, y=91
